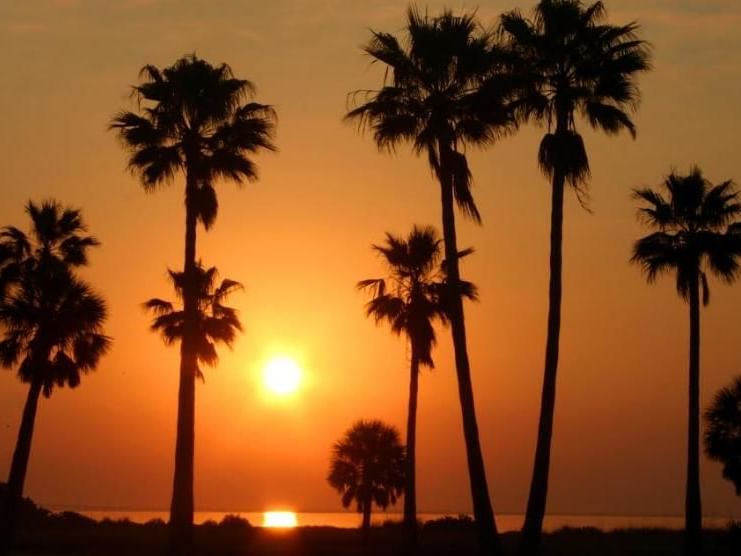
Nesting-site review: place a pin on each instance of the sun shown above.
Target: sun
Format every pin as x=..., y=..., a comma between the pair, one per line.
x=279, y=519
x=281, y=375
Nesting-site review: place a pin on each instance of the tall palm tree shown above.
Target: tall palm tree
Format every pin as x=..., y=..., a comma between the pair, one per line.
x=410, y=301
x=573, y=62
x=195, y=119
x=215, y=322
x=367, y=467
x=51, y=322
x=432, y=100
x=723, y=431
x=697, y=232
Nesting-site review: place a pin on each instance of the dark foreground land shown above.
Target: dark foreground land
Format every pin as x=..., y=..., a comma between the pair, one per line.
x=43, y=533
x=73, y=534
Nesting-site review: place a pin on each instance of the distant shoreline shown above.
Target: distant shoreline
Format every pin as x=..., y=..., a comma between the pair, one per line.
x=348, y=519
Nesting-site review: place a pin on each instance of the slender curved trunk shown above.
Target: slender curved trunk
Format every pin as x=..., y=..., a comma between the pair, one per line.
x=410, y=489
x=181, y=508
x=489, y=542
x=532, y=529
x=693, y=506
x=18, y=467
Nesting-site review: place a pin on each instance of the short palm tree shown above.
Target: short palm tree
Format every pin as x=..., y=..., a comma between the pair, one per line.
x=410, y=300
x=51, y=322
x=570, y=62
x=723, y=431
x=432, y=100
x=697, y=233
x=193, y=119
x=367, y=467
x=215, y=322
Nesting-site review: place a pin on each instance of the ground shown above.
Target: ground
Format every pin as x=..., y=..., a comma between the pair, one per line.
x=235, y=537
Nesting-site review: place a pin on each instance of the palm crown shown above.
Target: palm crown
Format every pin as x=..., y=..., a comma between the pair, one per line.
x=723, y=432
x=368, y=465
x=58, y=242
x=193, y=117
x=414, y=295
x=693, y=234
x=433, y=98
x=52, y=320
x=216, y=323
x=574, y=62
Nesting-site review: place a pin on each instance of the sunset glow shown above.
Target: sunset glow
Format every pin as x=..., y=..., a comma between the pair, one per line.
x=279, y=519
x=307, y=321
x=282, y=376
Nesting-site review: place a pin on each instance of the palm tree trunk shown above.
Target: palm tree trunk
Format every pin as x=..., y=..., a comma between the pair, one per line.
x=410, y=490
x=181, y=508
x=489, y=542
x=533, y=526
x=693, y=507
x=18, y=467
x=367, y=505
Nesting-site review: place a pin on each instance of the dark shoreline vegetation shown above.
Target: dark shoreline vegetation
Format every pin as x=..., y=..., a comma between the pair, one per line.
x=74, y=534
x=42, y=532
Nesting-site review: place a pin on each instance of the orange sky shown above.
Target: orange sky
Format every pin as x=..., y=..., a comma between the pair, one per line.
x=299, y=240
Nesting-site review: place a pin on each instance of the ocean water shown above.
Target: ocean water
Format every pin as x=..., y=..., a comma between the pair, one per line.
x=505, y=522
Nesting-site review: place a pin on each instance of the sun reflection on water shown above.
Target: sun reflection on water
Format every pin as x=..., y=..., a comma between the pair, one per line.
x=279, y=519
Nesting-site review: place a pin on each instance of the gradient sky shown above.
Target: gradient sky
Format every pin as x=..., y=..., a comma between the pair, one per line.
x=300, y=238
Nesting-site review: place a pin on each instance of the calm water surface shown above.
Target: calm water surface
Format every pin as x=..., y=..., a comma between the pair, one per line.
x=505, y=522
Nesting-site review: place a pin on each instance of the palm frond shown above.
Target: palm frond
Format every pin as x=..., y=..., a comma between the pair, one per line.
x=659, y=213
x=574, y=63
x=608, y=118
x=196, y=118
x=215, y=322
x=657, y=253
x=722, y=438
x=367, y=465
x=51, y=320
x=158, y=306
x=430, y=95
x=225, y=289
x=698, y=232
x=207, y=204
x=410, y=299
x=462, y=181
x=565, y=152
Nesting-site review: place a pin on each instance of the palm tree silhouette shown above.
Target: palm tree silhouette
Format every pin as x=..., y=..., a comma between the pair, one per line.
x=193, y=119
x=432, y=100
x=696, y=234
x=572, y=62
x=215, y=322
x=723, y=431
x=410, y=300
x=51, y=322
x=367, y=467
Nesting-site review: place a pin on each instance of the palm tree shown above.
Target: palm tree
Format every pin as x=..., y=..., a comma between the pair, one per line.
x=193, y=118
x=410, y=300
x=51, y=322
x=573, y=63
x=696, y=234
x=367, y=467
x=723, y=432
x=215, y=322
x=432, y=100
